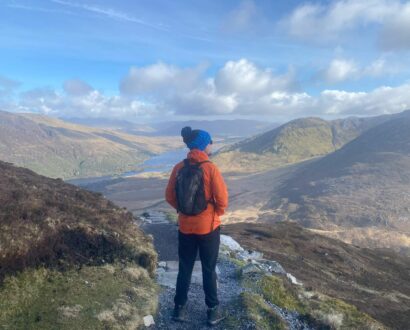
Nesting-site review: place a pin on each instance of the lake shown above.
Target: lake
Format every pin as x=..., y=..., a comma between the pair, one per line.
x=159, y=163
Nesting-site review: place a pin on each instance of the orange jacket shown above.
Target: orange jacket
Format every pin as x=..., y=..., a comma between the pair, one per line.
x=215, y=187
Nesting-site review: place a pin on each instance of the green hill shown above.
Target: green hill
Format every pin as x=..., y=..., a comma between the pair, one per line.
x=55, y=148
x=365, y=184
x=70, y=259
x=292, y=142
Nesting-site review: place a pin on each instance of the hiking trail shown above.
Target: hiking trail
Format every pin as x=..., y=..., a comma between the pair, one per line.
x=165, y=236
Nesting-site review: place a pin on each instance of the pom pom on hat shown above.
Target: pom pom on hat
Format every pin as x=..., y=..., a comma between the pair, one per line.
x=186, y=134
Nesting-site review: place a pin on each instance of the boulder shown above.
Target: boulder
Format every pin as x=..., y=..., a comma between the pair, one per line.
x=229, y=243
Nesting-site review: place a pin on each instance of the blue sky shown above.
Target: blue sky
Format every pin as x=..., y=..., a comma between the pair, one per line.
x=148, y=60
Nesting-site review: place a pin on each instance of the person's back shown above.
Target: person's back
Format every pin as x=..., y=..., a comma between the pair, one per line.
x=202, y=231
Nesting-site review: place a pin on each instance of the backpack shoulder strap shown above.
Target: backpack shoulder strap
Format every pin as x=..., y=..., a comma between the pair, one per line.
x=205, y=161
x=186, y=162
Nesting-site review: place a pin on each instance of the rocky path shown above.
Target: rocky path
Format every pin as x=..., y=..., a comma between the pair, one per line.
x=229, y=287
x=166, y=243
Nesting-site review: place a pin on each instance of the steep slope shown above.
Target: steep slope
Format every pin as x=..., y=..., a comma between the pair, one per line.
x=376, y=281
x=69, y=258
x=292, y=142
x=58, y=149
x=365, y=184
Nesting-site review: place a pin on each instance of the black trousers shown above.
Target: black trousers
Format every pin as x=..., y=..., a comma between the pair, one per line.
x=188, y=246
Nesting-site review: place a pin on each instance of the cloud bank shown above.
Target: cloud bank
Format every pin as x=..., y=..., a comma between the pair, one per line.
x=238, y=88
x=319, y=22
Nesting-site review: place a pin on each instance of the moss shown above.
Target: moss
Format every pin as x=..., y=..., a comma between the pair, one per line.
x=260, y=312
x=77, y=299
x=340, y=315
x=275, y=290
x=172, y=217
x=318, y=309
x=254, y=312
x=237, y=262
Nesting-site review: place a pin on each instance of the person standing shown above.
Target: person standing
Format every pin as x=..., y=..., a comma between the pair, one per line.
x=197, y=190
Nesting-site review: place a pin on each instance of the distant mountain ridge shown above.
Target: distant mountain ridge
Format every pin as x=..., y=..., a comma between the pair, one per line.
x=292, y=142
x=218, y=127
x=56, y=148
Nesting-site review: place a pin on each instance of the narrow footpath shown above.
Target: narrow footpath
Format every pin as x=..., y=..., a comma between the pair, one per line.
x=165, y=236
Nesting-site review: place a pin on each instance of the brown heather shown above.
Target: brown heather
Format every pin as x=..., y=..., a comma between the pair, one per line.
x=46, y=222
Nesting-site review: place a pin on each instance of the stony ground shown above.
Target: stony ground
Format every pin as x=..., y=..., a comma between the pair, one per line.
x=229, y=287
x=228, y=291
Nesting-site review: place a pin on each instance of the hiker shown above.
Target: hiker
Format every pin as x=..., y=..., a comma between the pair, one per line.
x=196, y=189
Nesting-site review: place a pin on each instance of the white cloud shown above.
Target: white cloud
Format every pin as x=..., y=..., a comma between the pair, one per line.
x=242, y=88
x=7, y=87
x=377, y=68
x=203, y=101
x=239, y=88
x=76, y=87
x=395, y=34
x=323, y=23
x=245, y=78
x=340, y=70
x=381, y=100
x=80, y=104
x=41, y=100
x=160, y=78
x=236, y=86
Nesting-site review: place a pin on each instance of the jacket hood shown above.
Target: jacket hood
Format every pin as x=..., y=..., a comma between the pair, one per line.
x=197, y=155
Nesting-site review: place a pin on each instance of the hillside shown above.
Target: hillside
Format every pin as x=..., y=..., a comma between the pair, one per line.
x=112, y=124
x=292, y=142
x=375, y=281
x=69, y=258
x=363, y=185
x=55, y=148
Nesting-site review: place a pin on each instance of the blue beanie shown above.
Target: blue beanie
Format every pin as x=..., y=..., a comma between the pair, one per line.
x=196, y=139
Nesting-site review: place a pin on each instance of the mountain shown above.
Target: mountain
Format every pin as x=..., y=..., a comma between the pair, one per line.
x=55, y=148
x=219, y=128
x=292, y=142
x=364, y=185
x=69, y=257
x=112, y=124
x=375, y=281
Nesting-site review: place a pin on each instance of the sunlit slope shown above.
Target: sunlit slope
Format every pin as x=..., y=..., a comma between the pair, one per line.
x=55, y=148
x=292, y=142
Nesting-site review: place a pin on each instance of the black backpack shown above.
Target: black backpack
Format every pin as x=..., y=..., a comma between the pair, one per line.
x=190, y=189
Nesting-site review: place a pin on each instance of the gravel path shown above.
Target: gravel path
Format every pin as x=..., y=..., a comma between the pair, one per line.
x=165, y=239
x=229, y=288
x=228, y=291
